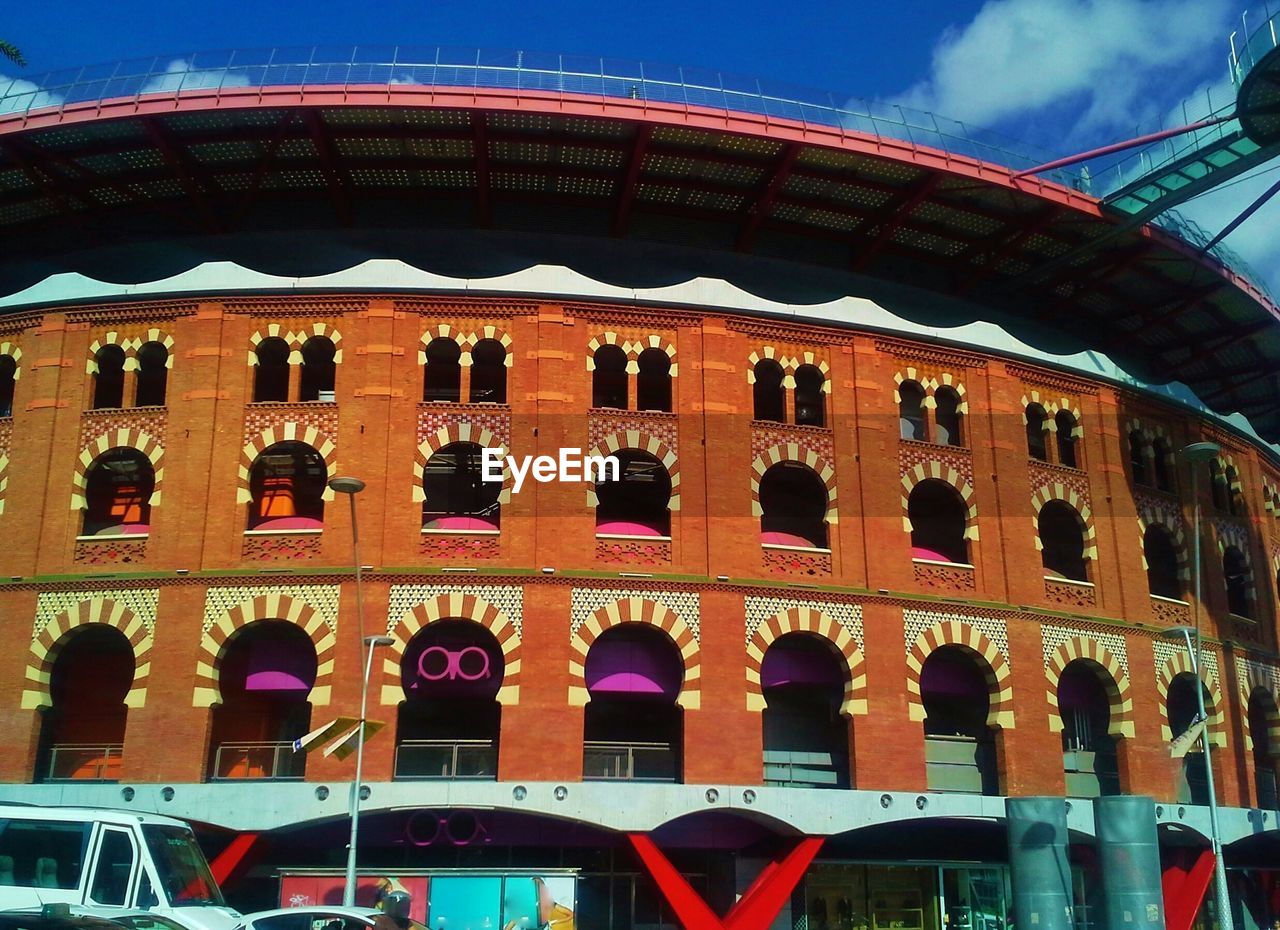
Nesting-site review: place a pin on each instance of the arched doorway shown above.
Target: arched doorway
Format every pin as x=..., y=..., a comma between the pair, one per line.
x=1193, y=784
x=82, y=733
x=806, y=740
x=1088, y=749
x=265, y=677
x=448, y=724
x=632, y=726
x=959, y=745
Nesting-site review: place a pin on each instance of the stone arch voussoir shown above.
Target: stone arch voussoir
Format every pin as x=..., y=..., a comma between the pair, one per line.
x=636, y=441
x=288, y=431
x=1110, y=672
x=48, y=643
x=637, y=610
x=118, y=439
x=1178, y=664
x=808, y=620
x=793, y=452
x=994, y=664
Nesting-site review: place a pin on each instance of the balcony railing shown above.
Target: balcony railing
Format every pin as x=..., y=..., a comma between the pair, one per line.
x=267, y=761
x=606, y=760
x=84, y=762
x=447, y=758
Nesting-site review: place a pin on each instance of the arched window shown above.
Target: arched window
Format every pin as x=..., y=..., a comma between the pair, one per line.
x=456, y=495
x=448, y=724
x=1036, y=447
x=959, y=748
x=1088, y=749
x=767, y=396
x=653, y=384
x=265, y=676
x=153, y=375
x=1062, y=542
x=1193, y=787
x=489, y=372
x=1235, y=500
x=637, y=503
x=1263, y=718
x=8, y=378
x=793, y=504
x=117, y=494
x=810, y=403
x=632, y=726
x=442, y=376
x=1218, y=486
x=609, y=378
x=911, y=411
x=286, y=485
x=108, y=383
x=271, y=374
x=947, y=417
x=1239, y=579
x=82, y=732
x=806, y=740
x=938, y=515
x=1162, y=562
x=1065, y=422
x=319, y=370
x=1138, y=456
x=1160, y=463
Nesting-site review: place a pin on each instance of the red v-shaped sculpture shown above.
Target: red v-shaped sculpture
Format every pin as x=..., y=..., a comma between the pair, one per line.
x=755, y=910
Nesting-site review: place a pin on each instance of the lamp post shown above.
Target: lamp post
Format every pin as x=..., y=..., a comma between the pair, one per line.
x=1196, y=454
x=351, y=487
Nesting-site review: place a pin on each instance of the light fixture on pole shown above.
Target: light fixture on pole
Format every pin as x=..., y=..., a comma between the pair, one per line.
x=351, y=487
x=1196, y=455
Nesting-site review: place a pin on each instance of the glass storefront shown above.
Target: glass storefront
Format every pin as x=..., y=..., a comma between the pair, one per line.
x=858, y=896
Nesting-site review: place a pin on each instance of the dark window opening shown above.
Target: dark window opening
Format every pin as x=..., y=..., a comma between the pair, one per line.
x=1088, y=749
x=287, y=484
x=1065, y=425
x=265, y=676
x=271, y=374
x=959, y=746
x=442, y=376
x=767, y=396
x=1218, y=486
x=793, y=504
x=489, y=372
x=1263, y=718
x=118, y=488
x=319, y=369
x=8, y=379
x=609, y=378
x=1160, y=462
x=938, y=516
x=911, y=423
x=810, y=403
x=1036, y=446
x=1193, y=786
x=637, y=503
x=947, y=417
x=1235, y=569
x=1138, y=456
x=153, y=375
x=1162, y=562
x=806, y=740
x=108, y=383
x=1062, y=542
x=456, y=495
x=653, y=384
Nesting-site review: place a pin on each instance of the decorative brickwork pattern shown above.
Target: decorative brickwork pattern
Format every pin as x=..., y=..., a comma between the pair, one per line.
x=789, y=366
x=638, y=608
x=460, y=546
x=6, y=440
x=664, y=427
x=466, y=341
x=129, y=345
x=632, y=347
x=1107, y=657
x=983, y=638
x=267, y=546
x=769, y=618
x=313, y=608
x=1066, y=593
x=936, y=463
x=1170, y=613
x=497, y=608
x=289, y=431
x=295, y=339
x=1161, y=511
x=116, y=439
x=949, y=579
x=14, y=351
x=1171, y=661
x=1071, y=495
x=459, y=431
x=1254, y=675
x=791, y=452
x=318, y=415
x=801, y=563
x=495, y=418
x=150, y=420
x=632, y=440
x=110, y=550
x=931, y=382
x=586, y=601
x=131, y=611
x=645, y=553
x=818, y=439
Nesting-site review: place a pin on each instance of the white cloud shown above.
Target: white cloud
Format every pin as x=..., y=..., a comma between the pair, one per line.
x=17, y=95
x=1111, y=61
x=179, y=75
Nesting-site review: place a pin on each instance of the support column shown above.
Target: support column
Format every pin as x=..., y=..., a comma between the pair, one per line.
x=1038, y=866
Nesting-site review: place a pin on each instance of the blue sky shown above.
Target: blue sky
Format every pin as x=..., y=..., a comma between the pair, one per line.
x=1064, y=74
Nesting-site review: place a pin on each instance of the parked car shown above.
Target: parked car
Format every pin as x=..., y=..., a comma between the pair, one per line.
x=314, y=918
x=66, y=917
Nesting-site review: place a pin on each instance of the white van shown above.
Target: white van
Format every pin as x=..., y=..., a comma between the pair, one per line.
x=107, y=859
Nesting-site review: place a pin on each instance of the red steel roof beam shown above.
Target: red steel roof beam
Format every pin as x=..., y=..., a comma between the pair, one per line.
x=329, y=167
x=763, y=206
x=635, y=165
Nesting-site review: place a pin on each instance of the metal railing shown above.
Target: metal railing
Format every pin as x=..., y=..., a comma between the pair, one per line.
x=1260, y=25
x=268, y=761
x=84, y=762
x=607, y=760
x=446, y=758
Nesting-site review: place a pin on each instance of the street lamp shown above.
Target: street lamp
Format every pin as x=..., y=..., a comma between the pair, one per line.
x=351, y=487
x=1195, y=455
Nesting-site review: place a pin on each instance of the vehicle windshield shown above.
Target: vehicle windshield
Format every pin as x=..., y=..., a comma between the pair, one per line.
x=147, y=922
x=183, y=873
